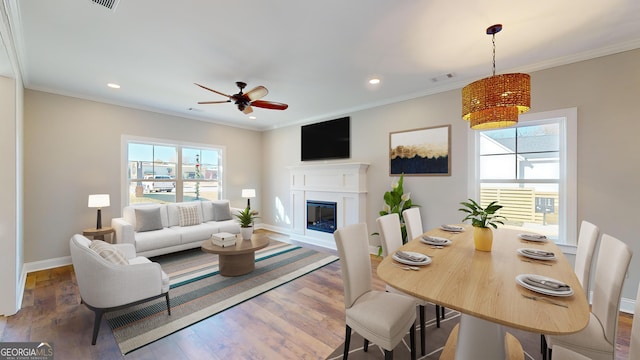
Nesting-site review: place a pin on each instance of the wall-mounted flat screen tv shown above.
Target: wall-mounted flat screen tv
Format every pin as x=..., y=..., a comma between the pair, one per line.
x=326, y=140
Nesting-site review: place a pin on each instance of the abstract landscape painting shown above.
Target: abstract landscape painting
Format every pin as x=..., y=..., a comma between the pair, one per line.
x=425, y=151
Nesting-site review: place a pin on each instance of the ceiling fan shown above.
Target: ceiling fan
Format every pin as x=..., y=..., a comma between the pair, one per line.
x=245, y=101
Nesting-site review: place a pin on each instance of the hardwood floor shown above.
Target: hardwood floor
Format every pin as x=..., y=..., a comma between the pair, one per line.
x=303, y=319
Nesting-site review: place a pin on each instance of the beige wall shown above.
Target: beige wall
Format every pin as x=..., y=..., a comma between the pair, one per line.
x=73, y=149
x=604, y=90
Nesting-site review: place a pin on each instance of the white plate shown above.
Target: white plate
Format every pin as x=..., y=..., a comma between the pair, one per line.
x=452, y=228
x=520, y=280
x=439, y=241
x=533, y=237
x=426, y=261
x=523, y=252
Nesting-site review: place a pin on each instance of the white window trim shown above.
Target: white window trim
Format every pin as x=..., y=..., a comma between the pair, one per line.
x=569, y=170
x=126, y=139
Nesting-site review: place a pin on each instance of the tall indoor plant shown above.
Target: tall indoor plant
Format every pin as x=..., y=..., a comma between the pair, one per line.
x=482, y=220
x=246, y=218
x=396, y=201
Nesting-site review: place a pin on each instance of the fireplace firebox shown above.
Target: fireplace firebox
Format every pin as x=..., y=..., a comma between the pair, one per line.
x=321, y=216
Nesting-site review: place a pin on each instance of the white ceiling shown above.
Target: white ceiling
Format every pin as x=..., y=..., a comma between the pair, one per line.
x=315, y=56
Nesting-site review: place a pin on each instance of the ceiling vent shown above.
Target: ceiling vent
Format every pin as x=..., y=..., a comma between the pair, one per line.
x=109, y=4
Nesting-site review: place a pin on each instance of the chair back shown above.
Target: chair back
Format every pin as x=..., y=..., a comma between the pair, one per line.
x=390, y=233
x=413, y=222
x=352, y=242
x=634, y=342
x=613, y=261
x=89, y=268
x=587, y=240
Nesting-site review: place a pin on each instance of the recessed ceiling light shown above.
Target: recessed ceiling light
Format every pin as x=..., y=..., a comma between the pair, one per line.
x=374, y=81
x=113, y=86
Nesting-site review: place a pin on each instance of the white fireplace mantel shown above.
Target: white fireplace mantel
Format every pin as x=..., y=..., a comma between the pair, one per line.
x=342, y=183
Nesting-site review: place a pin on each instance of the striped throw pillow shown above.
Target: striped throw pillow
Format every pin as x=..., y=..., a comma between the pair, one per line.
x=108, y=252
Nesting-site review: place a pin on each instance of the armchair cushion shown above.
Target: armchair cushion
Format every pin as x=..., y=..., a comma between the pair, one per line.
x=148, y=219
x=189, y=215
x=108, y=252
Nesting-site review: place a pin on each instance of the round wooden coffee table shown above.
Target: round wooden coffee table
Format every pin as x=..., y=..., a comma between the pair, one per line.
x=239, y=259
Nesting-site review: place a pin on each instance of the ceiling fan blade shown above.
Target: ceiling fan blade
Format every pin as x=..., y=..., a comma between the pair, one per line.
x=214, y=102
x=215, y=91
x=256, y=93
x=269, y=105
x=247, y=110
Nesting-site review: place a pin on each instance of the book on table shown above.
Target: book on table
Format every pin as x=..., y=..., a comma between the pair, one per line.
x=223, y=239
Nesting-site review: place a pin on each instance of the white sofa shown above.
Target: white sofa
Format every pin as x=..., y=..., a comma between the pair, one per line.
x=156, y=229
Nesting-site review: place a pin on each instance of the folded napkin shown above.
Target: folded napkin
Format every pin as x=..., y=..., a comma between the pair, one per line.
x=547, y=284
x=411, y=257
x=538, y=252
x=434, y=240
x=533, y=236
x=452, y=227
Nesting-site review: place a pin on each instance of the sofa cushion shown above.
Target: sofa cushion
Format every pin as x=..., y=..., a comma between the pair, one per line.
x=189, y=215
x=221, y=210
x=158, y=239
x=148, y=219
x=108, y=252
x=229, y=226
x=200, y=232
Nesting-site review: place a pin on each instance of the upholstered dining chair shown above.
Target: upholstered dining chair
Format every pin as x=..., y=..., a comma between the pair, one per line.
x=598, y=340
x=413, y=223
x=560, y=352
x=112, y=277
x=391, y=240
x=587, y=240
x=380, y=317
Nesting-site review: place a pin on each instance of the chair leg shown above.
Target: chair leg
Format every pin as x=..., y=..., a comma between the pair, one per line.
x=366, y=345
x=96, y=325
x=168, y=305
x=422, y=330
x=437, y=316
x=388, y=355
x=347, y=340
x=412, y=342
x=442, y=312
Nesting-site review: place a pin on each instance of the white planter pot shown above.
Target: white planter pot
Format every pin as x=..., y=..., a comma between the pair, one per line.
x=246, y=232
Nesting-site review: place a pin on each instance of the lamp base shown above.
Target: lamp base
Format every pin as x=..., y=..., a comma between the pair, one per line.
x=99, y=220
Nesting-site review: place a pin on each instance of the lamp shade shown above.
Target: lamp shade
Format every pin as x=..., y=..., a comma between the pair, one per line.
x=248, y=193
x=99, y=200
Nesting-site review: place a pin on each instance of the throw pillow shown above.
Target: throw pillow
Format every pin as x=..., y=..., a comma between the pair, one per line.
x=148, y=219
x=188, y=215
x=108, y=252
x=221, y=211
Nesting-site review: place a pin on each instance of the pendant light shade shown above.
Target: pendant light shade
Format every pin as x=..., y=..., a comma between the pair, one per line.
x=496, y=101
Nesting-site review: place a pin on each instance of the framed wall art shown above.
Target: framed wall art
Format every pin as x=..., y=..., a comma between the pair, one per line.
x=421, y=152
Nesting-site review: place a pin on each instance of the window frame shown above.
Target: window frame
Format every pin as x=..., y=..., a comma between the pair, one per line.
x=179, y=145
x=567, y=168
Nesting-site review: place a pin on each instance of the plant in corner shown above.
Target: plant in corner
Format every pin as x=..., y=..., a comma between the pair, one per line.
x=246, y=218
x=396, y=201
x=482, y=220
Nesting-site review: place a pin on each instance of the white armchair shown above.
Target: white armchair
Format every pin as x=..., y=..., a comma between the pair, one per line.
x=106, y=286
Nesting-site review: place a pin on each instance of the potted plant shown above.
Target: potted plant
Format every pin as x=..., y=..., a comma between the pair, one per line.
x=246, y=218
x=482, y=220
x=396, y=201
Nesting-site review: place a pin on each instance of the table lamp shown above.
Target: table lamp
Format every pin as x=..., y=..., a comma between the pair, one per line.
x=99, y=201
x=248, y=193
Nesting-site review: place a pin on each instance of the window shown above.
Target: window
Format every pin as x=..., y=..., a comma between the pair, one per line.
x=161, y=172
x=530, y=170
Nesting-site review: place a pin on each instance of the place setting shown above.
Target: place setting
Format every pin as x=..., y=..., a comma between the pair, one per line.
x=533, y=238
x=537, y=256
x=436, y=242
x=452, y=228
x=544, y=285
x=411, y=258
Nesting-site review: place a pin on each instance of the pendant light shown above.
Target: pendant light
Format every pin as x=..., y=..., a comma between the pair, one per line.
x=496, y=101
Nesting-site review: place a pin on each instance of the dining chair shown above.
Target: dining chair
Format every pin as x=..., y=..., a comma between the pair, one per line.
x=379, y=316
x=597, y=341
x=391, y=240
x=413, y=223
x=560, y=352
x=587, y=239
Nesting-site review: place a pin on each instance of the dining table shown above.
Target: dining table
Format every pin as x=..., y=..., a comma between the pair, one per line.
x=486, y=287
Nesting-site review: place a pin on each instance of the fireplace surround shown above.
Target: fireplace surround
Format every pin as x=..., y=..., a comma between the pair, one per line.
x=344, y=184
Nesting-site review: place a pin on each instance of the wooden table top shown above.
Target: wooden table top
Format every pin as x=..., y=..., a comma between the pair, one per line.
x=482, y=284
x=258, y=241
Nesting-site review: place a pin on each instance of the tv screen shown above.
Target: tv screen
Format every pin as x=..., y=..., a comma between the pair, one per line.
x=326, y=140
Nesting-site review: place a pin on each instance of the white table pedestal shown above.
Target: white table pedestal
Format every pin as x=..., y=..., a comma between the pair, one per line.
x=480, y=339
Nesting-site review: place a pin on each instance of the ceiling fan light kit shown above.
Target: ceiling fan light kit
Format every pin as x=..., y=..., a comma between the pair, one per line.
x=496, y=101
x=246, y=101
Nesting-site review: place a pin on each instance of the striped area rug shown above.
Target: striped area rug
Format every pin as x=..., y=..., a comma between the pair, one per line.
x=198, y=291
